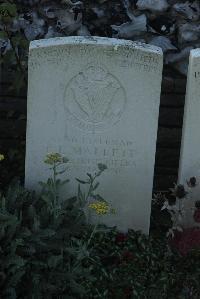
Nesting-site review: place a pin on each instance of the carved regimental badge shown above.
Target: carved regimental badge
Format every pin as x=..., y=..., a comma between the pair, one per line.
x=94, y=99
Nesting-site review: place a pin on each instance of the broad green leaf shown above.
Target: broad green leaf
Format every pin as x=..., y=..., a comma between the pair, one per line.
x=8, y=9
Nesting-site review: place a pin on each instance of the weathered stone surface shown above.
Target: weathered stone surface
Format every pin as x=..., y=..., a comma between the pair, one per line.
x=190, y=149
x=96, y=100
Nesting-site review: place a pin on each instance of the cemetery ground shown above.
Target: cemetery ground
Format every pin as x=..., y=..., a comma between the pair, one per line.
x=49, y=250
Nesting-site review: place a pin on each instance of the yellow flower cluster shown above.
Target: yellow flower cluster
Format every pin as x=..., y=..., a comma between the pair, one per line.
x=2, y=157
x=52, y=158
x=100, y=207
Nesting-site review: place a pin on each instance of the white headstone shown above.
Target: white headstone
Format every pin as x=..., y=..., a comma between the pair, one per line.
x=190, y=149
x=96, y=100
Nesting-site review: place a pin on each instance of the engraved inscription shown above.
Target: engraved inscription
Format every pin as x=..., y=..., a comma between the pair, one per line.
x=94, y=99
x=117, y=154
x=52, y=56
x=197, y=83
x=197, y=74
x=146, y=62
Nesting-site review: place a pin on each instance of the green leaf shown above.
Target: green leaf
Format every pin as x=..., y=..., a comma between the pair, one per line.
x=96, y=186
x=46, y=233
x=3, y=35
x=8, y=9
x=24, y=43
x=89, y=175
x=81, y=182
x=9, y=57
x=65, y=160
x=61, y=172
x=64, y=182
x=18, y=83
x=54, y=260
x=76, y=287
x=11, y=293
x=15, y=260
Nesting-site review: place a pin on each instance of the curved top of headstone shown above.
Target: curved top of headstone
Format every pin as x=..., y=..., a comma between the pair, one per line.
x=195, y=52
x=93, y=40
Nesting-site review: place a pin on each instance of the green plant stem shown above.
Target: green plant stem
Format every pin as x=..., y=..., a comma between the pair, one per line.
x=92, y=234
x=91, y=186
x=54, y=184
x=179, y=207
x=90, y=189
x=55, y=192
x=87, y=245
